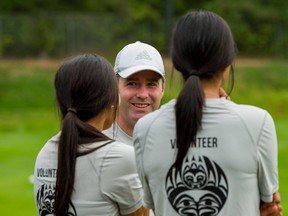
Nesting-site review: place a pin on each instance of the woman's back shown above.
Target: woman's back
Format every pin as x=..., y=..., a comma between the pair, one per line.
x=105, y=180
x=81, y=171
x=222, y=171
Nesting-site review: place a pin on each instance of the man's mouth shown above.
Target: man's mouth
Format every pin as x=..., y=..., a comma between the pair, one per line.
x=140, y=105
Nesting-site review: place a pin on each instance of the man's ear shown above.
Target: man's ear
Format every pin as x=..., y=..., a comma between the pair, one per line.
x=163, y=87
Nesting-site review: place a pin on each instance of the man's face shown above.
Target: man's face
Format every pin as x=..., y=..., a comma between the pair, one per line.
x=140, y=94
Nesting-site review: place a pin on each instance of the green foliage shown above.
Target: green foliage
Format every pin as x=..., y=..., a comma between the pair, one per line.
x=27, y=120
x=264, y=83
x=25, y=88
x=57, y=28
x=258, y=27
x=62, y=34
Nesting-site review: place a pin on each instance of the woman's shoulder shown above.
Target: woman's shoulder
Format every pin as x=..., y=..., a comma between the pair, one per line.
x=120, y=146
x=250, y=110
x=110, y=154
x=119, y=150
x=165, y=112
x=253, y=116
x=109, y=146
x=51, y=145
x=120, y=158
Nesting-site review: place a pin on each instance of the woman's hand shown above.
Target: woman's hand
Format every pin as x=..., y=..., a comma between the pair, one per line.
x=140, y=212
x=271, y=209
x=222, y=93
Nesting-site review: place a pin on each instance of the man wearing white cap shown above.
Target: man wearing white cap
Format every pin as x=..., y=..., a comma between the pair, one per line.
x=141, y=75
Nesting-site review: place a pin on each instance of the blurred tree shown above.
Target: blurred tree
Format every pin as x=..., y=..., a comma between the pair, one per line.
x=254, y=24
x=258, y=25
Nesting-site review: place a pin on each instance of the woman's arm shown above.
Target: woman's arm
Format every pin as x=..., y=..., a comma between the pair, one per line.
x=140, y=212
x=271, y=209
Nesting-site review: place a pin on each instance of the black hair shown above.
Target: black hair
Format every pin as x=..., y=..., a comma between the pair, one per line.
x=203, y=45
x=85, y=86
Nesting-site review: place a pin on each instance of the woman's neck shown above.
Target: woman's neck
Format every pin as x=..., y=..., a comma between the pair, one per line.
x=211, y=89
x=97, y=121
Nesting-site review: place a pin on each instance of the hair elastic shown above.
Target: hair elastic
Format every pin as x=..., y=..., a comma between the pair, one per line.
x=72, y=110
x=193, y=73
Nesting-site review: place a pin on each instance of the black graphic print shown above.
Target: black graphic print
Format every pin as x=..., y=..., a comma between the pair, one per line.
x=198, y=188
x=46, y=201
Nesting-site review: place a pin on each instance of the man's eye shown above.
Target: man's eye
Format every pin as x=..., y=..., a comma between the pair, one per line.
x=131, y=83
x=152, y=84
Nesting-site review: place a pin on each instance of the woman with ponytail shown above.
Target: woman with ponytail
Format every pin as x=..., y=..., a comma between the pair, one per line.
x=201, y=154
x=81, y=171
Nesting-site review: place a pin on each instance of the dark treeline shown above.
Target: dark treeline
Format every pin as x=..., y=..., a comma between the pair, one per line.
x=55, y=28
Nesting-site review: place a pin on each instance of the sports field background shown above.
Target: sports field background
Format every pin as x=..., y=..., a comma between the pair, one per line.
x=28, y=117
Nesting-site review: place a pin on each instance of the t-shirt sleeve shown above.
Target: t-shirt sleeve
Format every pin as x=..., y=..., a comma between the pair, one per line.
x=139, y=145
x=119, y=179
x=268, y=160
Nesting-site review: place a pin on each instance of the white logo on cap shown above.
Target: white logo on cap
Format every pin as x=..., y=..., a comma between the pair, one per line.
x=143, y=55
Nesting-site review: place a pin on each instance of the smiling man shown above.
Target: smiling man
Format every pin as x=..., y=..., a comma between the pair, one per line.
x=140, y=71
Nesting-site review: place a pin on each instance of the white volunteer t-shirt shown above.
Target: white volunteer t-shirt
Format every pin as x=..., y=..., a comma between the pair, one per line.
x=230, y=168
x=106, y=181
x=116, y=133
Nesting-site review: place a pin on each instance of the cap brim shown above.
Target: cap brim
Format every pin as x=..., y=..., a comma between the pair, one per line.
x=132, y=70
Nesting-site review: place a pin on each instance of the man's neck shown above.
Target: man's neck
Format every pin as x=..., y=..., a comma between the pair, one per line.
x=126, y=127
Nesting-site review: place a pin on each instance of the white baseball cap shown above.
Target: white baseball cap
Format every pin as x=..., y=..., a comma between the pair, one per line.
x=137, y=57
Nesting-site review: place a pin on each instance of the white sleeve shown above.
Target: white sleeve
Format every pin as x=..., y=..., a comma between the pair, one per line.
x=139, y=145
x=268, y=160
x=119, y=179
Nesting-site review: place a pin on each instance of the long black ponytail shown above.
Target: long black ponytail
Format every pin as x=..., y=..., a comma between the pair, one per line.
x=203, y=45
x=85, y=86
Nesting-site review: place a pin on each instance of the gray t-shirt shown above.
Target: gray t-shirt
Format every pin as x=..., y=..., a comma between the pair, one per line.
x=232, y=165
x=116, y=133
x=106, y=180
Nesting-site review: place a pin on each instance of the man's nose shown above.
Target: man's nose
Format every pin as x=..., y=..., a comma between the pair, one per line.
x=142, y=92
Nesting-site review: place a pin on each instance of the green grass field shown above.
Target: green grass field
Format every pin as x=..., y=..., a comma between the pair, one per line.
x=28, y=118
